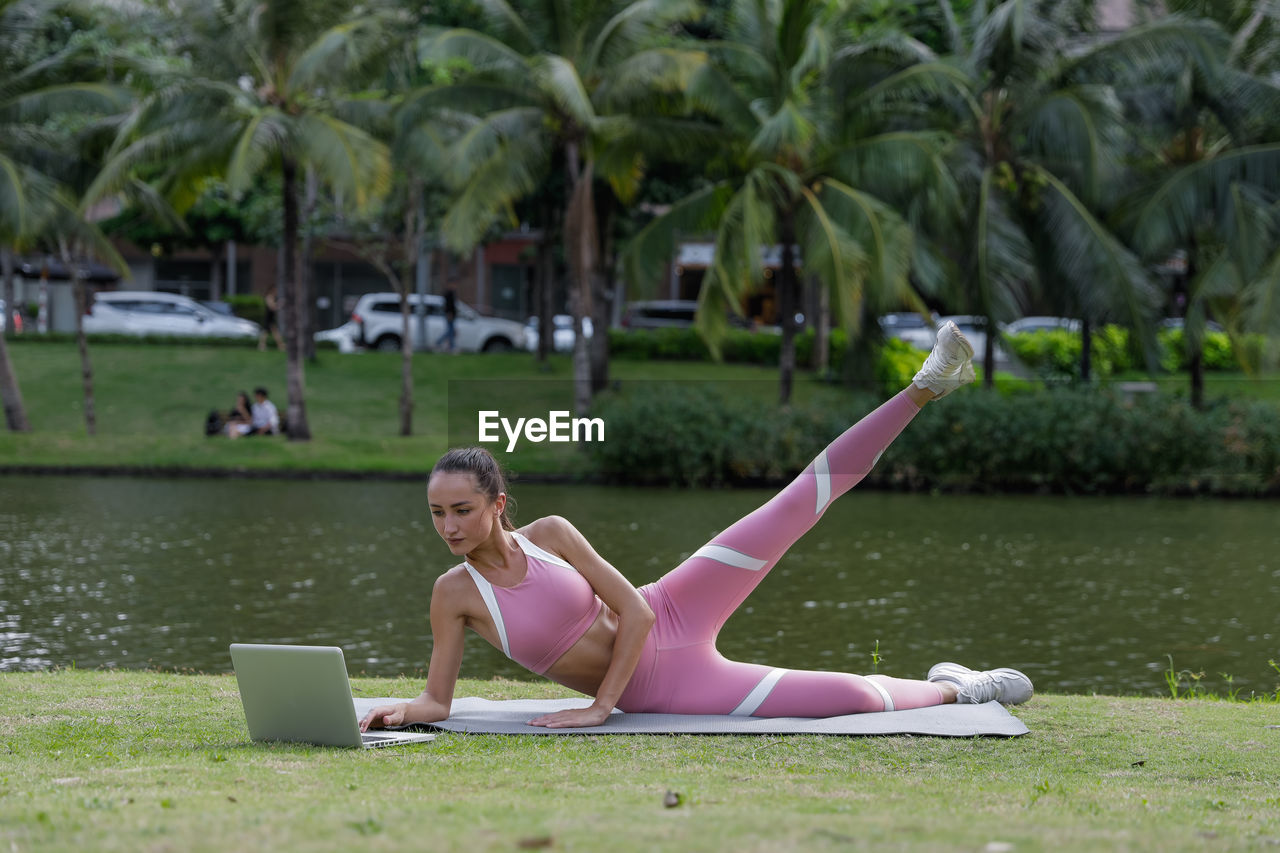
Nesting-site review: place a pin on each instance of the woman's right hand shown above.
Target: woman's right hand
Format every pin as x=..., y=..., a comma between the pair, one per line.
x=385, y=716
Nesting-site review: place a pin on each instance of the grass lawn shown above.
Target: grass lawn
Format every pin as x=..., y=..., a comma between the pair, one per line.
x=149, y=761
x=151, y=403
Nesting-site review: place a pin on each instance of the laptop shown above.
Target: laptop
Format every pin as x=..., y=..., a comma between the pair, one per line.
x=301, y=693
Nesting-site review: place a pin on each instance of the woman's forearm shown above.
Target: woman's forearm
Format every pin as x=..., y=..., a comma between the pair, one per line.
x=424, y=709
x=633, y=630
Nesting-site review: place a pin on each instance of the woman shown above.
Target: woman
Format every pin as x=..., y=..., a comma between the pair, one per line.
x=545, y=597
x=240, y=417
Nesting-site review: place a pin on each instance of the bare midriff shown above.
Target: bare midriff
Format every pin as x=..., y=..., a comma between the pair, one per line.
x=583, y=667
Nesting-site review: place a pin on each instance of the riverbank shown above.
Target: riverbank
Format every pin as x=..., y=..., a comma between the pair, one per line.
x=148, y=761
x=151, y=403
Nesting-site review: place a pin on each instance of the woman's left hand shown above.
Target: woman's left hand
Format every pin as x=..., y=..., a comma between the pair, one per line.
x=573, y=719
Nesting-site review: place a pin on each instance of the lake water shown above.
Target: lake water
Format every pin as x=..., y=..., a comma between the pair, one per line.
x=1084, y=594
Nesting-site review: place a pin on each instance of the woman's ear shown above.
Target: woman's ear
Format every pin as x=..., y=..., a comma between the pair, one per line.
x=500, y=503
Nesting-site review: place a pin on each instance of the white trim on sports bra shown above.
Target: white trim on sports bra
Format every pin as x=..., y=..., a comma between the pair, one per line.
x=490, y=601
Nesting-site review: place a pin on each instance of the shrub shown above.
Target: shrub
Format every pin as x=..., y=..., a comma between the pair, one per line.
x=250, y=306
x=1061, y=440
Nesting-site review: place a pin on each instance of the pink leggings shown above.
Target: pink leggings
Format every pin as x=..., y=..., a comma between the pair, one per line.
x=680, y=670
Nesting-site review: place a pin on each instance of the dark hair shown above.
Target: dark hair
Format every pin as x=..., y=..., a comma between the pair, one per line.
x=479, y=463
x=261, y=390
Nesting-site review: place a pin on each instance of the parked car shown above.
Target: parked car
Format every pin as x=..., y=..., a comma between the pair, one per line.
x=910, y=327
x=377, y=316
x=1041, y=324
x=561, y=332
x=149, y=312
x=974, y=328
x=1179, y=322
x=344, y=336
x=673, y=313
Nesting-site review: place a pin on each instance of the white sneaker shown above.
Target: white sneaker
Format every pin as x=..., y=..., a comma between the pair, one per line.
x=950, y=365
x=1001, y=685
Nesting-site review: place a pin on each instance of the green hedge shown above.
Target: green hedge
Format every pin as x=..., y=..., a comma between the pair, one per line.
x=1056, y=353
x=150, y=340
x=1061, y=440
x=250, y=306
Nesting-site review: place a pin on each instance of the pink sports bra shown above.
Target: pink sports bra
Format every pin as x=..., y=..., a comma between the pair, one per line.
x=540, y=618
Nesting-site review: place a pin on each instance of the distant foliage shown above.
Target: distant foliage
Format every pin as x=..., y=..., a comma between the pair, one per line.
x=1062, y=440
x=1056, y=353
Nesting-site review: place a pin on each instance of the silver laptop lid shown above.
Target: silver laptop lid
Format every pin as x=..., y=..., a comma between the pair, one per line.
x=296, y=693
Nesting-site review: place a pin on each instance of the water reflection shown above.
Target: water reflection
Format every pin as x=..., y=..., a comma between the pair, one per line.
x=1084, y=594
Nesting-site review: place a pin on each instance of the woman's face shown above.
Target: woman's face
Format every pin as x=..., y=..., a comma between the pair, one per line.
x=463, y=516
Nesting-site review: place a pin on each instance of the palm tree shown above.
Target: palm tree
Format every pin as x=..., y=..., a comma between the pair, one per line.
x=1042, y=159
x=567, y=85
x=263, y=95
x=816, y=138
x=1213, y=193
x=37, y=84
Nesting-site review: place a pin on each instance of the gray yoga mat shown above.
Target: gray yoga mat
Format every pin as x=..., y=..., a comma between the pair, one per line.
x=486, y=716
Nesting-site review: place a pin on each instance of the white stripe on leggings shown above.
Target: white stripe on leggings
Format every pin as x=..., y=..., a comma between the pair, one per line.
x=884, y=694
x=758, y=694
x=822, y=478
x=730, y=557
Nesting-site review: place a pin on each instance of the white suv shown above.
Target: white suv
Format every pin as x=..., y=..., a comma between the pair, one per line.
x=378, y=326
x=150, y=312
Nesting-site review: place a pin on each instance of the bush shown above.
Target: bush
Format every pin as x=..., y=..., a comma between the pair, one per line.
x=1062, y=440
x=249, y=306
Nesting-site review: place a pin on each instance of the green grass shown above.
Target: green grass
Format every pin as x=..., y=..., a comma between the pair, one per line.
x=151, y=401
x=148, y=761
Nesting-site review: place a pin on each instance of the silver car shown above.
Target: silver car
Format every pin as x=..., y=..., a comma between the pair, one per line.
x=148, y=312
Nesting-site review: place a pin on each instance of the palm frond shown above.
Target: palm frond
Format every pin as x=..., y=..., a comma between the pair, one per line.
x=646, y=73
x=654, y=245
x=883, y=235
x=263, y=136
x=339, y=52
x=559, y=81
x=507, y=25
x=788, y=129
x=27, y=199
x=488, y=136
x=1165, y=217
x=631, y=29
x=482, y=52
x=344, y=156
x=832, y=256
x=70, y=98
x=511, y=171
x=1002, y=255
x=927, y=81
x=426, y=104
x=1107, y=278
x=1076, y=132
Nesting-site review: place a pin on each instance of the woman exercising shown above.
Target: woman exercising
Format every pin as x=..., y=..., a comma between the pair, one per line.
x=544, y=596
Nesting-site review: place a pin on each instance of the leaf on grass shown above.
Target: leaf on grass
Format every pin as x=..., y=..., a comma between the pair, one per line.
x=672, y=799
x=536, y=842
x=1139, y=763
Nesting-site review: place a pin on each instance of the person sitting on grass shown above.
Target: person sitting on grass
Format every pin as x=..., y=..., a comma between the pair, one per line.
x=264, y=418
x=544, y=596
x=240, y=418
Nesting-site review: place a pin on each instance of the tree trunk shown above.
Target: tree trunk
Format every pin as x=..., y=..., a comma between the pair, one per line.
x=989, y=355
x=787, y=305
x=15, y=413
x=602, y=303
x=580, y=244
x=1086, y=350
x=822, y=332
x=292, y=309
x=306, y=279
x=86, y=366
x=409, y=244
